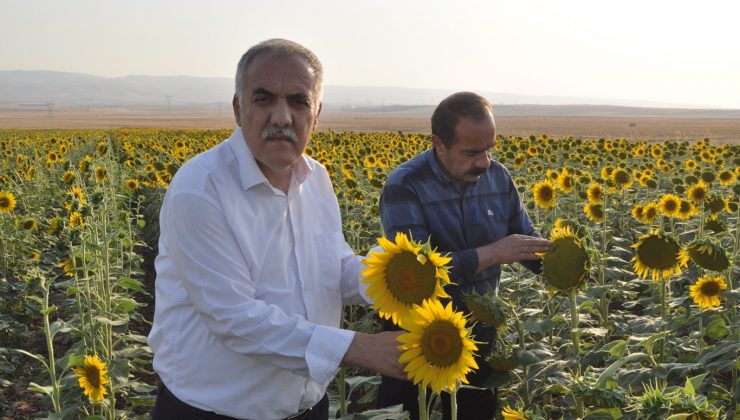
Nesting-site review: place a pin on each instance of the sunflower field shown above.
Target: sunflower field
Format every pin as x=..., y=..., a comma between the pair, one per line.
x=635, y=313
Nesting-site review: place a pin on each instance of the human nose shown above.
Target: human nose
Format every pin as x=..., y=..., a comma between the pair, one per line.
x=280, y=115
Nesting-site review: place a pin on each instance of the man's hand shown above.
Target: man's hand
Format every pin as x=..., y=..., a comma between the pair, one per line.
x=511, y=249
x=377, y=352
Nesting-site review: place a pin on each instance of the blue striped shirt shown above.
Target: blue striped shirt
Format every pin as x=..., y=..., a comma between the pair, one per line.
x=419, y=198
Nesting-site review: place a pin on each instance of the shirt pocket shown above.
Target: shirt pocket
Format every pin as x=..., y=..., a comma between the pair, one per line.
x=329, y=247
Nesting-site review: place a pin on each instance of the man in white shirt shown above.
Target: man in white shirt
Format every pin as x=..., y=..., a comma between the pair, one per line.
x=253, y=269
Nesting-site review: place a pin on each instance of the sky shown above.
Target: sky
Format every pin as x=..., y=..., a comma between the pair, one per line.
x=672, y=52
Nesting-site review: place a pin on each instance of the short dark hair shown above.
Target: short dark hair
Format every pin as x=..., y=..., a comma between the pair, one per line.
x=277, y=48
x=454, y=107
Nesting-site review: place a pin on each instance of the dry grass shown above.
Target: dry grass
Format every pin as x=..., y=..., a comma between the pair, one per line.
x=655, y=128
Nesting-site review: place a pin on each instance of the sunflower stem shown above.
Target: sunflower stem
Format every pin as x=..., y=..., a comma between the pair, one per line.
x=522, y=347
x=453, y=401
x=663, y=314
x=45, y=311
x=341, y=389
x=574, y=329
x=422, y=399
x=576, y=345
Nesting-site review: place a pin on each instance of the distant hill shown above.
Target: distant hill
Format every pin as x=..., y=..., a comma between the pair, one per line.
x=20, y=88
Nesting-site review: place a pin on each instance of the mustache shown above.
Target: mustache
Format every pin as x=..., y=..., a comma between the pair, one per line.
x=274, y=131
x=476, y=171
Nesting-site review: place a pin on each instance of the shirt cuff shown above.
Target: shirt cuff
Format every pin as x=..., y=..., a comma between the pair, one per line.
x=466, y=264
x=325, y=352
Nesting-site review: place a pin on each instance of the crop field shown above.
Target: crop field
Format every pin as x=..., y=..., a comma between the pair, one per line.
x=635, y=315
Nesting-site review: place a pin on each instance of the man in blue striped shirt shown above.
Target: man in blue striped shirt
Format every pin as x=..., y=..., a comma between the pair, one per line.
x=467, y=204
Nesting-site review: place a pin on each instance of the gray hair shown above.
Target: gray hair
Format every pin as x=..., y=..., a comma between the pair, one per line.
x=278, y=48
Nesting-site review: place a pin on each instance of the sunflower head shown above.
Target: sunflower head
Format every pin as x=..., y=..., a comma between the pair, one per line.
x=698, y=192
x=658, y=255
x=714, y=226
x=503, y=360
x=7, y=201
x=705, y=291
x=686, y=210
x=132, y=184
x=508, y=413
x=565, y=181
x=100, y=174
x=489, y=309
x=707, y=256
x=594, y=212
x=669, y=204
x=437, y=350
x=93, y=377
x=566, y=264
x=404, y=274
x=715, y=204
x=595, y=193
x=621, y=178
x=544, y=194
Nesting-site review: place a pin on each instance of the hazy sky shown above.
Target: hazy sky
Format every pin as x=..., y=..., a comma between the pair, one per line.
x=677, y=52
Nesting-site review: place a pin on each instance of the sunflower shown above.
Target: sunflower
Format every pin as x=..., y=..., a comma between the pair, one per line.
x=100, y=174
x=715, y=204
x=544, y=194
x=565, y=181
x=658, y=255
x=53, y=225
x=69, y=267
x=638, y=212
x=437, y=349
x=621, y=178
x=649, y=213
x=594, y=212
x=76, y=220
x=595, y=193
x=509, y=413
x=93, y=378
x=78, y=194
x=705, y=291
x=686, y=210
x=68, y=176
x=489, y=309
x=726, y=178
x=565, y=265
x=606, y=172
x=132, y=185
x=7, y=201
x=690, y=164
x=669, y=204
x=715, y=226
x=30, y=224
x=707, y=256
x=698, y=192
x=402, y=275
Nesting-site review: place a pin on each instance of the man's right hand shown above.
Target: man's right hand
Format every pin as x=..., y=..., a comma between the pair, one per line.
x=377, y=352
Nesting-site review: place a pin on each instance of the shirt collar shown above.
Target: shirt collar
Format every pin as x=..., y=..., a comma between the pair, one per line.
x=250, y=173
x=437, y=170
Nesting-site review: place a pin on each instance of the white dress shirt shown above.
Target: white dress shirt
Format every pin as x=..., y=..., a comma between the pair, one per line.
x=250, y=286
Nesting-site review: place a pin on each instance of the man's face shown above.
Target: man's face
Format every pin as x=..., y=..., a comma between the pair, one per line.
x=279, y=101
x=469, y=157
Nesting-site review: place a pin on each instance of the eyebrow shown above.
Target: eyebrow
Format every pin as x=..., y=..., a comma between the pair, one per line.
x=262, y=91
x=293, y=96
x=477, y=150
